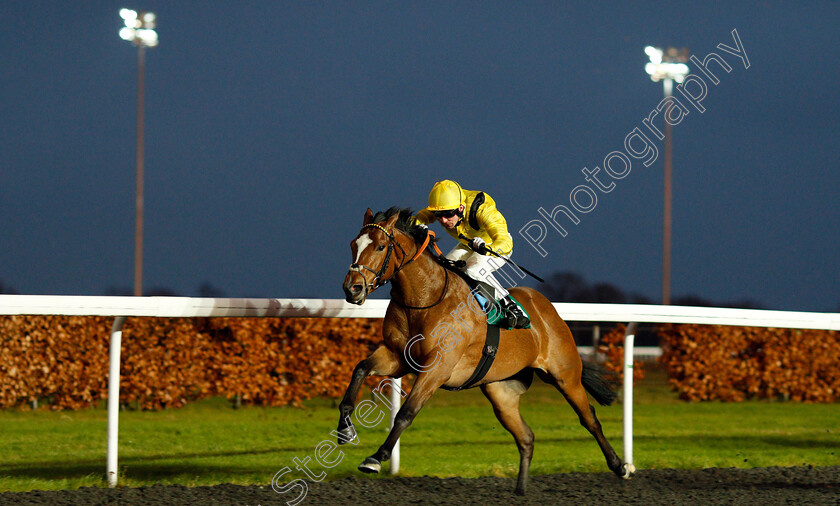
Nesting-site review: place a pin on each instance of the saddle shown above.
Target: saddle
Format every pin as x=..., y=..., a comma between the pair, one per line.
x=483, y=294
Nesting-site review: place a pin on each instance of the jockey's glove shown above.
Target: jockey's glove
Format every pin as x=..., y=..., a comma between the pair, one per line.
x=478, y=245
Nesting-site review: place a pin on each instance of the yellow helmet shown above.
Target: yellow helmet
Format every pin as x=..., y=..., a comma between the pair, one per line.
x=445, y=195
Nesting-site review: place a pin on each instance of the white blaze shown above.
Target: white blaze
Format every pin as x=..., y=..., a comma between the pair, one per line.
x=361, y=243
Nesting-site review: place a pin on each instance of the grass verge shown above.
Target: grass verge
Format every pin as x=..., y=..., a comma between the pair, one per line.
x=456, y=434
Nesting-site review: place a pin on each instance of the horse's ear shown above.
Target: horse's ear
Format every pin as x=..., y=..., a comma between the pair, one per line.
x=392, y=220
x=368, y=217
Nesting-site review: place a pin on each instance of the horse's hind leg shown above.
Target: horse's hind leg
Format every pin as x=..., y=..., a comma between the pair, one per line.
x=381, y=362
x=568, y=383
x=504, y=395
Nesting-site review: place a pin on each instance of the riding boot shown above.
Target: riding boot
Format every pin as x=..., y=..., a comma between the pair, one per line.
x=516, y=317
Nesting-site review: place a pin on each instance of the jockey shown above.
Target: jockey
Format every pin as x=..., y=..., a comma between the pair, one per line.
x=471, y=218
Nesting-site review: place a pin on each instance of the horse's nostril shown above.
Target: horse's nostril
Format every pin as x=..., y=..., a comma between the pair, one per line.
x=356, y=288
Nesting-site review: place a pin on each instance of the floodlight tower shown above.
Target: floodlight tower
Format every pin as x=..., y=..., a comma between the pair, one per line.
x=667, y=66
x=139, y=29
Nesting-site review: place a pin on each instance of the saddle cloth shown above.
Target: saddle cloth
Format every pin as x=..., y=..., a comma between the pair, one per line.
x=495, y=314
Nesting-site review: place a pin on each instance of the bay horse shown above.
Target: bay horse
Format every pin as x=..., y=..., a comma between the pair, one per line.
x=434, y=328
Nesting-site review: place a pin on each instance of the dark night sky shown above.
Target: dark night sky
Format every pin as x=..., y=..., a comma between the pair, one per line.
x=272, y=126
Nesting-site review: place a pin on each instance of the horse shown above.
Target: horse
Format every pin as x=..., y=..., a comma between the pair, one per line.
x=436, y=329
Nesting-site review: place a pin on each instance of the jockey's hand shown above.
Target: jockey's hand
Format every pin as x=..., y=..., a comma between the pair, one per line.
x=478, y=246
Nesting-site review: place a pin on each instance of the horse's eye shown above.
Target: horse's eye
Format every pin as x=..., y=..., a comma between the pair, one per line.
x=380, y=247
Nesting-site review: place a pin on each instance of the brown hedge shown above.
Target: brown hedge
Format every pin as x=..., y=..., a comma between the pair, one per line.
x=612, y=347
x=167, y=362
x=707, y=362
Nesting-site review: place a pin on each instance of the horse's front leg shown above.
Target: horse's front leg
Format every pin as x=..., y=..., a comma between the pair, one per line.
x=380, y=362
x=346, y=431
x=422, y=390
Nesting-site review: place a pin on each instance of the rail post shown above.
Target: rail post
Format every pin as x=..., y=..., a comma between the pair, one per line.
x=114, y=400
x=629, y=337
x=396, y=400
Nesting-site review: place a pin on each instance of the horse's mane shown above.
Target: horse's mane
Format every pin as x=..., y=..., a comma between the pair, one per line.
x=405, y=222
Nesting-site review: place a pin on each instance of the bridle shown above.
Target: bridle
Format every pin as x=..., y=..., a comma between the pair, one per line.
x=377, y=275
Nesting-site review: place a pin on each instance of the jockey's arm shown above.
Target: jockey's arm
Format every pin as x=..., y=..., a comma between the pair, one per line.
x=424, y=217
x=494, y=223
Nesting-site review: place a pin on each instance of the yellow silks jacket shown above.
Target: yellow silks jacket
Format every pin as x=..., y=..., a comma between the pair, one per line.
x=481, y=219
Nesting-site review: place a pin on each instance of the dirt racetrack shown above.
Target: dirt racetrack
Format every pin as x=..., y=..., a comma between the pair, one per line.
x=777, y=485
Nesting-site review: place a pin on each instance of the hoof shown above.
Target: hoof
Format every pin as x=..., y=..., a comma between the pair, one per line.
x=346, y=435
x=370, y=465
x=627, y=471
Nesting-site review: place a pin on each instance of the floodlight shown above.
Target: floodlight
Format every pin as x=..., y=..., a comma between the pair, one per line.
x=127, y=14
x=668, y=64
x=147, y=37
x=127, y=33
x=139, y=27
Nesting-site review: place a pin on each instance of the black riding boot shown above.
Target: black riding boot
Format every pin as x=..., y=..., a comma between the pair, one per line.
x=516, y=317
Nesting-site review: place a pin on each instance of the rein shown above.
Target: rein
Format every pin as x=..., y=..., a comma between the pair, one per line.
x=429, y=235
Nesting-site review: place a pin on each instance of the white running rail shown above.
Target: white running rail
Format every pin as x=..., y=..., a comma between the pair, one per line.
x=122, y=307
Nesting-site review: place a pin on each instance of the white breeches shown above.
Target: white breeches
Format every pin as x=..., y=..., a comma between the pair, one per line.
x=479, y=267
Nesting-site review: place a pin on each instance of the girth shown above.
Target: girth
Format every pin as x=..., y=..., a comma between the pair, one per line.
x=488, y=355
x=491, y=340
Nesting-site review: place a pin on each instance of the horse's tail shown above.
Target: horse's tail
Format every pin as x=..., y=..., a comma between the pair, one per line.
x=599, y=383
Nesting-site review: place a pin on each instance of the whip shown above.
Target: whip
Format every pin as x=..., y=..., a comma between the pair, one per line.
x=506, y=259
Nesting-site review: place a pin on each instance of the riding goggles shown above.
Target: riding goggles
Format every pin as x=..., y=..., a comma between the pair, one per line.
x=445, y=214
